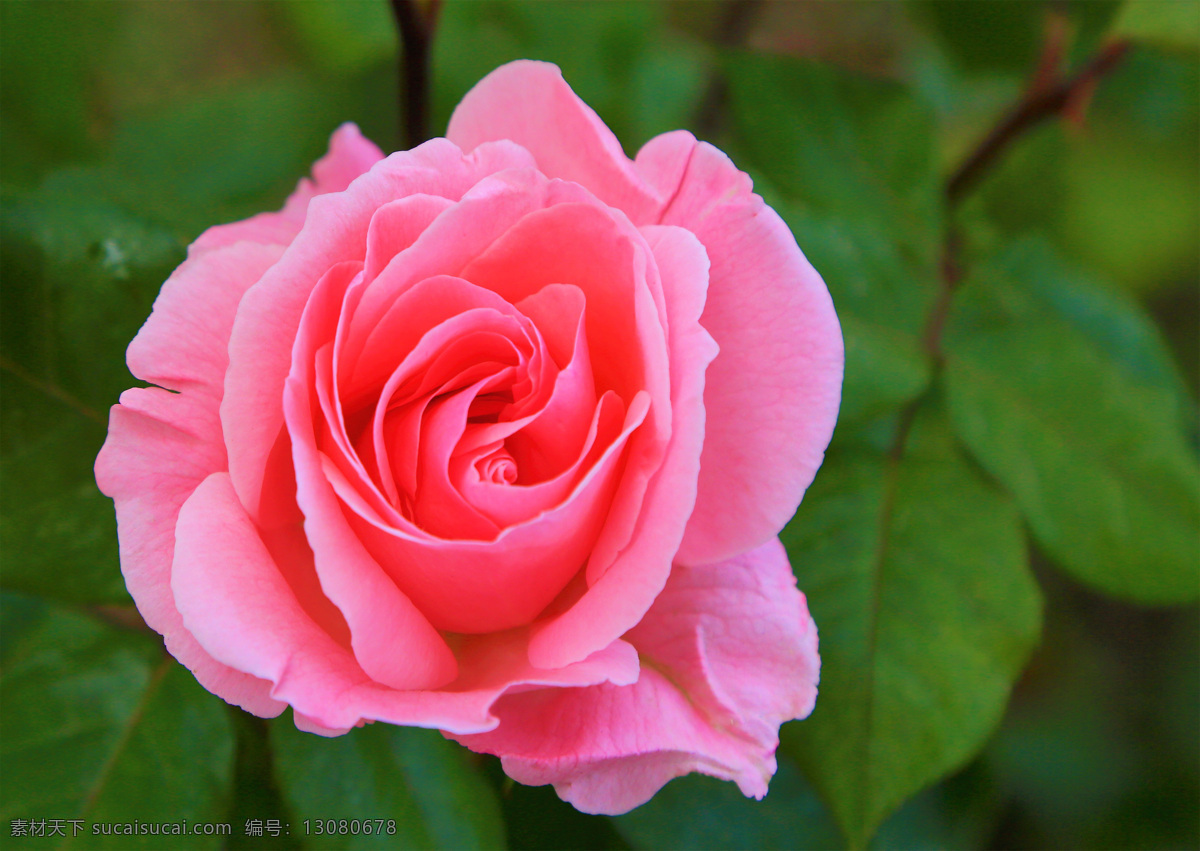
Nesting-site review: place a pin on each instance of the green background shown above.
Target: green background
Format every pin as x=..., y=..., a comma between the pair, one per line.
x=1002, y=550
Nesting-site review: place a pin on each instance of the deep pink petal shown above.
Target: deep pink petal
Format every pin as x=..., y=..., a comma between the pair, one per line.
x=484, y=586
x=771, y=396
x=731, y=653
x=335, y=230
x=380, y=617
x=616, y=600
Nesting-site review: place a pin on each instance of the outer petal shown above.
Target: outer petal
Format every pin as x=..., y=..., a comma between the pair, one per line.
x=161, y=445
x=237, y=604
x=349, y=156
x=729, y=652
x=771, y=397
x=530, y=103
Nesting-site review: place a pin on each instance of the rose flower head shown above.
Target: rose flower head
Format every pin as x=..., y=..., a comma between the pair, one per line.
x=493, y=436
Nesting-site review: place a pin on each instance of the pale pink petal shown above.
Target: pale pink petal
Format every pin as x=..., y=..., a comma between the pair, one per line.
x=155, y=456
x=771, y=397
x=335, y=230
x=235, y=601
x=736, y=636
x=349, y=156
x=617, y=599
x=161, y=444
x=608, y=749
x=731, y=654
x=183, y=345
x=529, y=103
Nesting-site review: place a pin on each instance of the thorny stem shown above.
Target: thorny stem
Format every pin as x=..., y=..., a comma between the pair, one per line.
x=416, y=27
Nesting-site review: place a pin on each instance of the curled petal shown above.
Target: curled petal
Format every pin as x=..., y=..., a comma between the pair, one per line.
x=729, y=652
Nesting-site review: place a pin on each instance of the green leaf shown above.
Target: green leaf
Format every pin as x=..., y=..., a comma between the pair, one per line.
x=56, y=529
x=1077, y=412
x=1162, y=23
x=1111, y=320
x=81, y=271
x=422, y=786
x=99, y=725
x=45, y=87
x=703, y=813
x=344, y=35
x=916, y=572
x=848, y=163
x=856, y=149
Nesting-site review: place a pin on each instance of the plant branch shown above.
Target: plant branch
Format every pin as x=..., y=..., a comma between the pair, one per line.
x=416, y=37
x=737, y=19
x=1047, y=96
x=1040, y=103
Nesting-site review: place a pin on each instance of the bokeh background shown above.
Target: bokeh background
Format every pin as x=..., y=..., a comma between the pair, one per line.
x=128, y=127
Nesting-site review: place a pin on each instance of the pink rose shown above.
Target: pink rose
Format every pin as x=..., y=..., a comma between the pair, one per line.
x=492, y=436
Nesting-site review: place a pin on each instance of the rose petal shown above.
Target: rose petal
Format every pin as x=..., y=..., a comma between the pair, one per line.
x=161, y=445
x=771, y=397
x=238, y=606
x=730, y=652
x=380, y=617
x=529, y=103
x=397, y=225
x=335, y=230
x=151, y=462
x=617, y=599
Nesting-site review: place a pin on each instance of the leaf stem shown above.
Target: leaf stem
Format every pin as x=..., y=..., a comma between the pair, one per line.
x=416, y=37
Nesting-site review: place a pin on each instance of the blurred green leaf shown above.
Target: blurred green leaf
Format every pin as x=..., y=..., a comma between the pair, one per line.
x=341, y=36
x=916, y=571
x=57, y=535
x=640, y=77
x=1082, y=427
x=1111, y=320
x=1163, y=23
x=853, y=148
x=412, y=777
x=226, y=154
x=100, y=725
x=46, y=92
x=848, y=163
x=703, y=813
x=81, y=270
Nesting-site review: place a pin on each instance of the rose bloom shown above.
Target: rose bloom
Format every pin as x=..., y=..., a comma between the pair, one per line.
x=492, y=436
